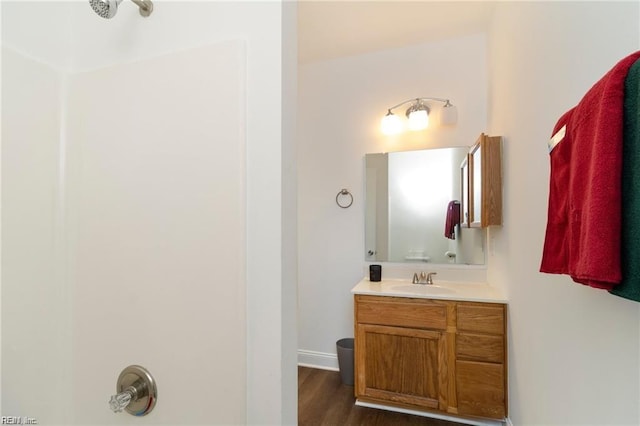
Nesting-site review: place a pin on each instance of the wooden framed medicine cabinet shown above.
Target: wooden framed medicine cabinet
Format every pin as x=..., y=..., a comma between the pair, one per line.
x=481, y=175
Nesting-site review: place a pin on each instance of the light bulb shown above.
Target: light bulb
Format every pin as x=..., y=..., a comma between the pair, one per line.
x=391, y=124
x=418, y=119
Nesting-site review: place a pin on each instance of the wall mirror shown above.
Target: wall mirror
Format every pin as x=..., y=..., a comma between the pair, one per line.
x=406, y=199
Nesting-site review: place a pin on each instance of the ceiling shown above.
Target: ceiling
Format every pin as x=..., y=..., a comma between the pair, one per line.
x=331, y=29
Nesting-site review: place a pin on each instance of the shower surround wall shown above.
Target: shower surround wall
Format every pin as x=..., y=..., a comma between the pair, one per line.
x=36, y=331
x=131, y=157
x=156, y=157
x=154, y=195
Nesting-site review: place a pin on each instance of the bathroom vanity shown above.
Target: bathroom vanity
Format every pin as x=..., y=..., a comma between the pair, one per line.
x=440, y=349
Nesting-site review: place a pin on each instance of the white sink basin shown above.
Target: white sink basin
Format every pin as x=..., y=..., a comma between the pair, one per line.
x=443, y=290
x=421, y=289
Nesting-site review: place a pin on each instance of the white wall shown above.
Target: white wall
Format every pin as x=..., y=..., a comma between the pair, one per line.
x=35, y=300
x=81, y=41
x=341, y=103
x=574, y=351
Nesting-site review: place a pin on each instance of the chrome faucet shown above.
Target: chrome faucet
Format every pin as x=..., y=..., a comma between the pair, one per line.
x=424, y=278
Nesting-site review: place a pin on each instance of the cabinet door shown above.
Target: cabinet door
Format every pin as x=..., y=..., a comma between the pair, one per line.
x=485, y=182
x=402, y=365
x=465, y=218
x=481, y=389
x=475, y=185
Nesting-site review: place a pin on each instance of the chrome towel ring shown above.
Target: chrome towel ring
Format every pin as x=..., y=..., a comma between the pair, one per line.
x=346, y=197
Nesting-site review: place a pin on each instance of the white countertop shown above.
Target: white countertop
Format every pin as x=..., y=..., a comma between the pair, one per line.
x=442, y=290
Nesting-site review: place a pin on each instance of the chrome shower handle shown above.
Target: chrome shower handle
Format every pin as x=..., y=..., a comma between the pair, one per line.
x=137, y=392
x=119, y=402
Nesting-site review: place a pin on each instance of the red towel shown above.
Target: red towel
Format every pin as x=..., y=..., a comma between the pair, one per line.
x=584, y=216
x=453, y=219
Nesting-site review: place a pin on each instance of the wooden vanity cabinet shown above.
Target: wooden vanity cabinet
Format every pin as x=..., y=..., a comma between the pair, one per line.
x=439, y=355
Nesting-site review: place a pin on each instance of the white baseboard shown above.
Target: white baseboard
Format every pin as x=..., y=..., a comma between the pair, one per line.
x=322, y=360
x=508, y=422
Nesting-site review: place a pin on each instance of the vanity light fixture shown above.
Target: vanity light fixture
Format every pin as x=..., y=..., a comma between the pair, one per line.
x=418, y=115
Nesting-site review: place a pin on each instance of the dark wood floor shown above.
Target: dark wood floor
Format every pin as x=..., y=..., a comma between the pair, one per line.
x=324, y=400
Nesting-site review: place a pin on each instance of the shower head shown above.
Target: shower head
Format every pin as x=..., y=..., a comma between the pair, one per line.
x=107, y=8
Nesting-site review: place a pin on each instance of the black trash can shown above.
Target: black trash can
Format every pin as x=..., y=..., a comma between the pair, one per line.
x=345, y=360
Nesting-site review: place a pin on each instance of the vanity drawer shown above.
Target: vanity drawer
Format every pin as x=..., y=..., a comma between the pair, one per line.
x=402, y=313
x=481, y=318
x=480, y=347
